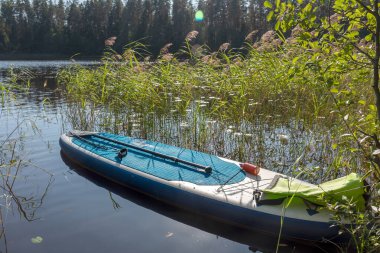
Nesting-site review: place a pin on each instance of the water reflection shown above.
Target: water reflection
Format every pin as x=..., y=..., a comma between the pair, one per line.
x=71, y=212
x=47, y=69
x=42, y=65
x=255, y=241
x=13, y=199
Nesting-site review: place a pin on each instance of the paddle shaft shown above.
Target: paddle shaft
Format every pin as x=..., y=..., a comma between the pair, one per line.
x=207, y=169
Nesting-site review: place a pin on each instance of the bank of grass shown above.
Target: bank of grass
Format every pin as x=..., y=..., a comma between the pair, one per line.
x=240, y=86
x=264, y=86
x=261, y=104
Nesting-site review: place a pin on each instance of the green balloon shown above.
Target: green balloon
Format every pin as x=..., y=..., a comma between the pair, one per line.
x=199, y=16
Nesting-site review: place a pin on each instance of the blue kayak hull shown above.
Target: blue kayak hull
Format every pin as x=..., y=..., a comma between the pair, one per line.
x=198, y=203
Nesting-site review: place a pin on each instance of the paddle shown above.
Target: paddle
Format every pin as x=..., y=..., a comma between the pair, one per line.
x=207, y=169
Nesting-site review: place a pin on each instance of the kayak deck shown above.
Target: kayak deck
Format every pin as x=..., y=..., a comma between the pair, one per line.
x=223, y=172
x=227, y=193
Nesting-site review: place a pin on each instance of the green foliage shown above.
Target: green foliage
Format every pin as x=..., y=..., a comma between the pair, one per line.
x=344, y=42
x=362, y=226
x=226, y=76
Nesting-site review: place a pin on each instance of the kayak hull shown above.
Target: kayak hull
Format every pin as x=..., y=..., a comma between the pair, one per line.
x=273, y=220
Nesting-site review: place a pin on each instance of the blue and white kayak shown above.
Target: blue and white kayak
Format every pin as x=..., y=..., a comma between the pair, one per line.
x=198, y=182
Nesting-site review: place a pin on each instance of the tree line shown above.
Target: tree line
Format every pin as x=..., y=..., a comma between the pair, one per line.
x=58, y=27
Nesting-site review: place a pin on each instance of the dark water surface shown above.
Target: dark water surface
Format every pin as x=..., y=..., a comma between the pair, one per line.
x=50, y=205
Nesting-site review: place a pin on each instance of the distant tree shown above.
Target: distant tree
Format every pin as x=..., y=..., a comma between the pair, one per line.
x=115, y=18
x=201, y=25
x=216, y=19
x=9, y=24
x=160, y=29
x=145, y=22
x=257, y=16
x=134, y=15
x=95, y=18
x=4, y=39
x=182, y=17
x=57, y=26
x=25, y=26
x=234, y=24
x=42, y=26
x=74, y=36
x=245, y=28
x=59, y=19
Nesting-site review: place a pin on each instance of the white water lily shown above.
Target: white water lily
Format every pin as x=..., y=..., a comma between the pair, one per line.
x=284, y=139
x=184, y=125
x=211, y=122
x=376, y=152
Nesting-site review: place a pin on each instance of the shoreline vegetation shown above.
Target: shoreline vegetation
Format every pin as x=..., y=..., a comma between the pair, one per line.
x=45, y=57
x=267, y=85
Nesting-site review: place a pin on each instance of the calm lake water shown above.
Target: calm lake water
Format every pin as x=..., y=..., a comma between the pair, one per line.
x=48, y=204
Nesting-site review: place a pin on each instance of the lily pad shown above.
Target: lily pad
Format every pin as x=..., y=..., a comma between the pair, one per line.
x=37, y=239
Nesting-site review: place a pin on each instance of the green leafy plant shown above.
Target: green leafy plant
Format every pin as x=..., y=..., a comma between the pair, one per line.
x=344, y=40
x=347, y=39
x=363, y=228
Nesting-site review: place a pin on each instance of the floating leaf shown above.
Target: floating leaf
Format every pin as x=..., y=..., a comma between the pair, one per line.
x=284, y=139
x=36, y=240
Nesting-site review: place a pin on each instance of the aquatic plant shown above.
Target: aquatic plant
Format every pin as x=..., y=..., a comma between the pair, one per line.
x=13, y=162
x=269, y=103
x=232, y=87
